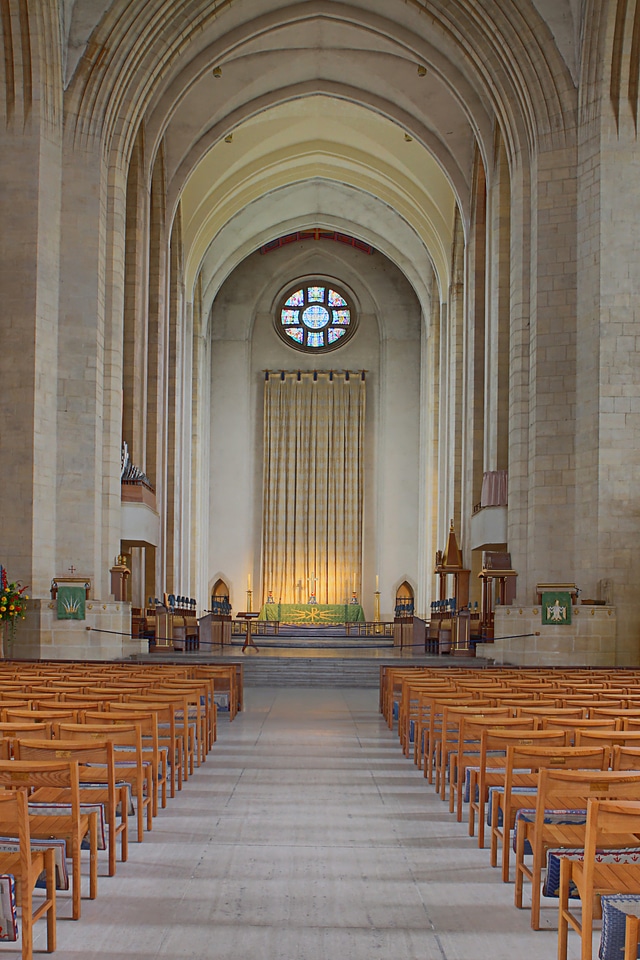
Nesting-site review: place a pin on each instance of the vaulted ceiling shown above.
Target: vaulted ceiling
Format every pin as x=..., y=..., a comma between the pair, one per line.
x=361, y=116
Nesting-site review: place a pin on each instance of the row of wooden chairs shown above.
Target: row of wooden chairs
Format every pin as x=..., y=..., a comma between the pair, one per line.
x=39, y=677
x=526, y=756
x=76, y=750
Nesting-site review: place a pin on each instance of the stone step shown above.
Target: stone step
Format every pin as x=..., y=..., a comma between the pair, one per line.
x=284, y=671
x=310, y=672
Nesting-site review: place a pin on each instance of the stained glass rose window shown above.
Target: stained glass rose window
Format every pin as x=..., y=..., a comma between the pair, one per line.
x=315, y=316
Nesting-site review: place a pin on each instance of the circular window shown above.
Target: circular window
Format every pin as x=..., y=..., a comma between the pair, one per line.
x=315, y=316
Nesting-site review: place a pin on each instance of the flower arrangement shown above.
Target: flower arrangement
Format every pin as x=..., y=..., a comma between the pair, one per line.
x=12, y=602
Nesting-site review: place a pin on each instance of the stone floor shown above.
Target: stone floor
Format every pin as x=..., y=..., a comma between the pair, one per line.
x=305, y=836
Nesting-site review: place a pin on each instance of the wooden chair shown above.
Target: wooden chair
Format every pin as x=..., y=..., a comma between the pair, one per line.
x=524, y=701
x=67, y=821
x=620, y=738
x=129, y=760
x=558, y=713
x=171, y=736
x=83, y=701
x=490, y=770
x=619, y=713
x=97, y=783
x=80, y=703
x=420, y=717
x=9, y=731
x=61, y=706
x=570, y=726
x=201, y=711
x=147, y=720
x=225, y=681
x=180, y=728
x=411, y=705
x=433, y=731
x=468, y=753
x=36, y=716
x=5, y=704
x=452, y=737
x=558, y=822
x=625, y=756
x=577, y=700
x=530, y=759
x=609, y=824
x=27, y=865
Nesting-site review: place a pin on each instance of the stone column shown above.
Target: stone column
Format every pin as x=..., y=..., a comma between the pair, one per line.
x=609, y=374
x=543, y=370
x=496, y=351
x=474, y=339
x=429, y=448
x=157, y=359
x=30, y=143
x=136, y=306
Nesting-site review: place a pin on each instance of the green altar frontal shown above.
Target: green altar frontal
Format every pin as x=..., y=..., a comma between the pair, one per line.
x=316, y=613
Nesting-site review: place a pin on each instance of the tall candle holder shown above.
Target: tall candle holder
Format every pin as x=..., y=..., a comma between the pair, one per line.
x=249, y=600
x=376, y=607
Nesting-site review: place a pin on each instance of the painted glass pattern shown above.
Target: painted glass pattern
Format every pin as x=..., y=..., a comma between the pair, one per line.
x=335, y=300
x=296, y=334
x=297, y=299
x=315, y=317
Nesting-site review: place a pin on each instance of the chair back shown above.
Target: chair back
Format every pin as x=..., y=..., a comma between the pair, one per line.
x=34, y=716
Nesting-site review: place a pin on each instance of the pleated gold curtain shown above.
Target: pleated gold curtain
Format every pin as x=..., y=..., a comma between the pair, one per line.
x=313, y=486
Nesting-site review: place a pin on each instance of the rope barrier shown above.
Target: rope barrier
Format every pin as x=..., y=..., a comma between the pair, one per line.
x=299, y=646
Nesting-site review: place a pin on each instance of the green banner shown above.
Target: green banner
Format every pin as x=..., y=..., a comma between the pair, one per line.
x=556, y=607
x=71, y=603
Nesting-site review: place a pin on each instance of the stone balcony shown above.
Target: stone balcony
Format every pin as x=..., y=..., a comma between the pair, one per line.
x=140, y=525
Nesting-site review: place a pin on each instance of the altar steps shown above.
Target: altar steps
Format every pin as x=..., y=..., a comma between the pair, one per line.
x=326, y=671
x=310, y=672
x=280, y=670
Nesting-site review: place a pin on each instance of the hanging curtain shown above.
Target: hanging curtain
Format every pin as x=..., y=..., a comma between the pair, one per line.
x=313, y=486
x=495, y=486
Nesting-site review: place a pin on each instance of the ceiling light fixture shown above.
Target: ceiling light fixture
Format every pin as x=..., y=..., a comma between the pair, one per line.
x=228, y=138
x=422, y=70
x=217, y=72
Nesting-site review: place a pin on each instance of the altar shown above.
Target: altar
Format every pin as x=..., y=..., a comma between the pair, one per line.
x=312, y=613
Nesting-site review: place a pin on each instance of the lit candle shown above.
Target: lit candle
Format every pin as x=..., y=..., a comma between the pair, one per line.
x=377, y=583
x=249, y=581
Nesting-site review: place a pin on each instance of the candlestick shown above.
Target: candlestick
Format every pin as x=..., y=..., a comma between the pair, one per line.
x=376, y=607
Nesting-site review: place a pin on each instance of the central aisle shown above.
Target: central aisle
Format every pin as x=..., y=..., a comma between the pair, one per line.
x=306, y=836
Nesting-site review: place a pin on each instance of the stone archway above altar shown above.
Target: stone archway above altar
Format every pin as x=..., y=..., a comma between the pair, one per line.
x=312, y=613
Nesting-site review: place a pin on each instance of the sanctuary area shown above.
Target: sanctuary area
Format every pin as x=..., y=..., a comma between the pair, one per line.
x=293, y=289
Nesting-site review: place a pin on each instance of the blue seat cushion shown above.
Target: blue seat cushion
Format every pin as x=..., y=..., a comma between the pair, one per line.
x=615, y=909
x=527, y=815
